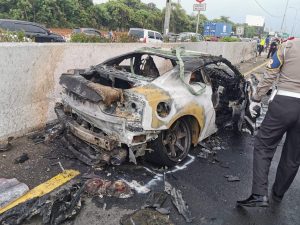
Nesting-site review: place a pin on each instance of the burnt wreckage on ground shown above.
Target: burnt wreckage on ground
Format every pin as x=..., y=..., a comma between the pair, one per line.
x=152, y=102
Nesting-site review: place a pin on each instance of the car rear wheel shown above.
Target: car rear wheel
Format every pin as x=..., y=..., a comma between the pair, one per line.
x=172, y=145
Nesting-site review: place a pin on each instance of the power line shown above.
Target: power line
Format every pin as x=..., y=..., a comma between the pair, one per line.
x=266, y=10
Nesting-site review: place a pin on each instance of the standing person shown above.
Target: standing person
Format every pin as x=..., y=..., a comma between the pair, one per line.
x=268, y=40
x=111, y=35
x=273, y=48
x=283, y=116
x=261, y=46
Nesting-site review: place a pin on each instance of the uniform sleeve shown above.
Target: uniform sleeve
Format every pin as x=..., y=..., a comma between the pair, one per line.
x=270, y=76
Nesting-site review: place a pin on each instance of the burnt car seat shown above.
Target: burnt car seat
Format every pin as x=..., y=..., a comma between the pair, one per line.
x=150, y=69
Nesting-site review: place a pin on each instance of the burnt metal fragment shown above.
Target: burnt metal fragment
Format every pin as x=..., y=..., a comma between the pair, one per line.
x=155, y=200
x=54, y=208
x=178, y=201
x=79, y=86
x=145, y=217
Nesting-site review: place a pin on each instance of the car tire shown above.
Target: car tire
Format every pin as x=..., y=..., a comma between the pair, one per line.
x=172, y=146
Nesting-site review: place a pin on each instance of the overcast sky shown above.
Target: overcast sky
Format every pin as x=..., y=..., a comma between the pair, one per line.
x=238, y=9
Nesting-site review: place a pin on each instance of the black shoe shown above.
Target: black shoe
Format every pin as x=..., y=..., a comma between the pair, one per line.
x=255, y=201
x=275, y=197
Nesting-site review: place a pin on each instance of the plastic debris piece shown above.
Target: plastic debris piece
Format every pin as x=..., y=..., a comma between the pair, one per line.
x=10, y=190
x=163, y=211
x=21, y=159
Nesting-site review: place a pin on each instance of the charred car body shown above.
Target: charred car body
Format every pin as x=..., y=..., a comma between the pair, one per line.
x=153, y=102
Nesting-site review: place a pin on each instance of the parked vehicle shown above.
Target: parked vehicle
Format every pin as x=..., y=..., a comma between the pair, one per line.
x=172, y=37
x=87, y=31
x=32, y=30
x=188, y=36
x=146, y=36
x=245, y=39
x=217, y=29
x=153, y=102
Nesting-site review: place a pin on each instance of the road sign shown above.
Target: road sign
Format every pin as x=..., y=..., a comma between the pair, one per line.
x=200, y=1
x=240, y=30
x=200, y=7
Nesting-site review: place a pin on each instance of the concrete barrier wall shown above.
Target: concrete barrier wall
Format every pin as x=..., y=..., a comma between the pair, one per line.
x=29, y=75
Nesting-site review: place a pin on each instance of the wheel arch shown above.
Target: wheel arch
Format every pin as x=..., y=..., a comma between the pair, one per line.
x=195, y=127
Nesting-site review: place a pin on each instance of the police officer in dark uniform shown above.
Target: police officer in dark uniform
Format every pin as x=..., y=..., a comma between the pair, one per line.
x=273, y=48
x=283, y=117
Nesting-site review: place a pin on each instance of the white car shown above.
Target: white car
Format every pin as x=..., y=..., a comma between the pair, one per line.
x=146, y=36
x=152, y=102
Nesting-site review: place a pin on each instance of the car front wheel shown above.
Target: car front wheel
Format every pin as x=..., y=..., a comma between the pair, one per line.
x=172, y=145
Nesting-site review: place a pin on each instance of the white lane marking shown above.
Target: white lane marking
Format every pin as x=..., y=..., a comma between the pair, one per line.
x=158, y=177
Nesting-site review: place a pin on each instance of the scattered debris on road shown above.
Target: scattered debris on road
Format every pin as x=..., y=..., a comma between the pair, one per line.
x=155, y=200
x=55, y=208
x=179, y=202
x=145, y=217
x=231, y=178
x=10, y=190
x=138, y=187
x=102, y=187
x=204, y=153
x=21, y=159
x=55, y=200
x=6, y=145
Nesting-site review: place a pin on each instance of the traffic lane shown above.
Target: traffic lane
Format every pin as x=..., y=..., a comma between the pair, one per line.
x=212, y=199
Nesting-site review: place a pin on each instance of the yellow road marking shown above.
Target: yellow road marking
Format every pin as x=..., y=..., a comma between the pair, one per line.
x=254, y=69
x=43, y=188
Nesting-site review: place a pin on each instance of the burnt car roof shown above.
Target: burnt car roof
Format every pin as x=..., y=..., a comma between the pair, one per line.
x=192, y=60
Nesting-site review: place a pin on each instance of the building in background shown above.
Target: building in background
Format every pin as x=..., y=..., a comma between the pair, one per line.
x=256, y=21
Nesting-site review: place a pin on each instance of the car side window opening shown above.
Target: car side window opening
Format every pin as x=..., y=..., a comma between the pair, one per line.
x=136, y=33
x=158, y=36
x=29, y=28
x=151, y=35
x=226, y=89
x=197, y=77
x=88, y=31
x=93, y=32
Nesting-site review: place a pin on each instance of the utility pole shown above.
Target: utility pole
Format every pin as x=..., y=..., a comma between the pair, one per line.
x=167, y=17
x=198, y=20
x=282, y=24
x=295, y=21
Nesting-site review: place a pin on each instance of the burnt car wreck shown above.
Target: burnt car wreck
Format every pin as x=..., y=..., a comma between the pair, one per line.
x=152, y=102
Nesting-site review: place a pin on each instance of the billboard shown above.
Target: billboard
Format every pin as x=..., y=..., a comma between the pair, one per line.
x=256, y=21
